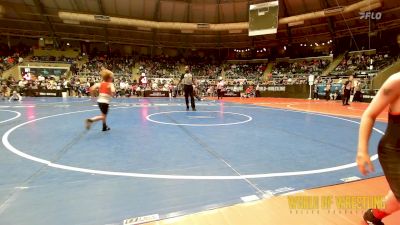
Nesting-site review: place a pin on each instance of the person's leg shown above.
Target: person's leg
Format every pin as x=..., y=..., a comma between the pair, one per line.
x=358, y=96
x=105, y=127
x=186, y=90
x=191, y=93
x=391, y=203
x=389, y=160
x=342, y=96
x=103, y=117
x=93, y=120
x=345, y=97
x=375, y=216
x=348, y=98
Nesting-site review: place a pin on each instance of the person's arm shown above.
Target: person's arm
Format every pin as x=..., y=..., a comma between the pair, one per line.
x=182, y=76
x=112, y=87
x=93, y=88
x=386, y=95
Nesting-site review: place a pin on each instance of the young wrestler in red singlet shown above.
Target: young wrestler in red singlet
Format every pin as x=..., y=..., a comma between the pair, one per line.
x=106, y=91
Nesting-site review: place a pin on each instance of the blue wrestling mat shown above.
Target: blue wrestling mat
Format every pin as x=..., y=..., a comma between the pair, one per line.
x=159, y=159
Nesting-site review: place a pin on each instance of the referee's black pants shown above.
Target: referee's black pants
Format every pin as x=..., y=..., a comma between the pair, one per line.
x=346, y=97
x=188, y=89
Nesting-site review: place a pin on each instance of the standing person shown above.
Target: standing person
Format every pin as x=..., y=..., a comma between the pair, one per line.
x=315, y=95
x=348, y=85
x=258, y=91
x=357, y=92
x=210, y=91
x=220, y=88
x=4, y=90
x=15, y=97
x=187, y=80
x=328, y=91
x=170, y=90
x=106, y=91
x=143, y=81
x=388, y=148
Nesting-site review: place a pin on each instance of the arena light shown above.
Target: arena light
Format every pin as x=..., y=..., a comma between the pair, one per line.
x=187, y=31
x=296, y=23
x=371, y=7
x=235, y=31
x=144, y=28
x=333, y=11
x=2, y=10
x=75, y=22
x=203, y=25
x=102, y=18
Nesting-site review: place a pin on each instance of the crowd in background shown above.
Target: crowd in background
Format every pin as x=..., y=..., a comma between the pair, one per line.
x=11, y=56
x=53, y=59
x=362, y=62
x=159, y=67
x=119, y=65
x=164, y=72
x=244, y=71
x=206, y=70
x=300, y=67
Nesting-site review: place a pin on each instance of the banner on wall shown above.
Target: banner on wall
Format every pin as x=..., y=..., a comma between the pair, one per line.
x=335, y=88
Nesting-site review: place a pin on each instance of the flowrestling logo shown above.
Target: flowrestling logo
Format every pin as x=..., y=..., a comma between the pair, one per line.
x=370, y=15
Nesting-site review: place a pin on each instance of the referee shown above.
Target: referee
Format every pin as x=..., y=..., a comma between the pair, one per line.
x=348, y=85
x=187, y=80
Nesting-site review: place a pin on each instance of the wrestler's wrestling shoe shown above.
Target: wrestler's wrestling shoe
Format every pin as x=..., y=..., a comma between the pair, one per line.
x=370, y=219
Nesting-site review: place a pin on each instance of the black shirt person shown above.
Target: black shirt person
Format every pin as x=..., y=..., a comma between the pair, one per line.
x=348, y=85
x=187, y=80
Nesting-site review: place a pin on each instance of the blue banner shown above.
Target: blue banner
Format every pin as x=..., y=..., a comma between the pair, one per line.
x=335, y=88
